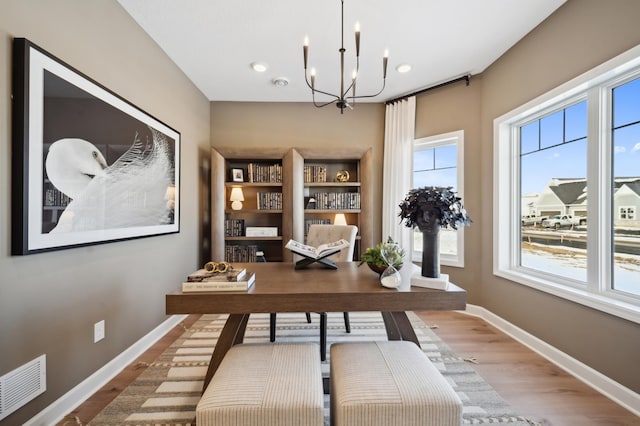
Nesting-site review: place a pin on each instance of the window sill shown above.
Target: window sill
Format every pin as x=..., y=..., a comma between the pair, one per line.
x=600, y=302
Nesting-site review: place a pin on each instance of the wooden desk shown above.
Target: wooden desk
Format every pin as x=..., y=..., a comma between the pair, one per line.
x=281, y=288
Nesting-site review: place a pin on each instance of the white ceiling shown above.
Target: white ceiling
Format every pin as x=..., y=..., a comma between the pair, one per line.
x=214, y=41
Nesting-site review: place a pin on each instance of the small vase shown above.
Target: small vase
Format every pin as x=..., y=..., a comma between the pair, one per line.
x=431, y=251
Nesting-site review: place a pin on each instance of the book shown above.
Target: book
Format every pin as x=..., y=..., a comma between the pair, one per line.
x=261, y=231
x=316, y=252
x=203, y=275
x=243, y=284
x=440, y=283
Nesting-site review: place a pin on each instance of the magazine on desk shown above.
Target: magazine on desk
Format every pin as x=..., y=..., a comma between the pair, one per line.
x=317, y=252
x=216, y=284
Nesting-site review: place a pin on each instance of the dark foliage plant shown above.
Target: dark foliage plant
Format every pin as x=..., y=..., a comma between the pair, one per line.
x=426, y=207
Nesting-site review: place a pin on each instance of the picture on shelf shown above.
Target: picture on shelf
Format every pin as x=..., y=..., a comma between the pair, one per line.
x=322, y=250
x=237, y=175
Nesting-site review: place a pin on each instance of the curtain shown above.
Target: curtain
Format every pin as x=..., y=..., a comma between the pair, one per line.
x=399, y=131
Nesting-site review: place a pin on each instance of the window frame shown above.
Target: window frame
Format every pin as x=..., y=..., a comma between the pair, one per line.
x=435, y=141
x=595, y=86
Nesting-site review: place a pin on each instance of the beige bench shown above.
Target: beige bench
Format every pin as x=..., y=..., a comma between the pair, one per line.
x=389, y=383
x=265, y=385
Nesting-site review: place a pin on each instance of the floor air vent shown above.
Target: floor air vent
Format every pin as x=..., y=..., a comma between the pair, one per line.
x=21, y=385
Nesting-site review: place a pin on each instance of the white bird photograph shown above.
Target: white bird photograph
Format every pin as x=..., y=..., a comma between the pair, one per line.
x=128, y=193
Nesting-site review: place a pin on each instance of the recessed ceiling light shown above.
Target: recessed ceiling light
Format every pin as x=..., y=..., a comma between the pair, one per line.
x=280, y=81
x=403, y=68
x=259, y=66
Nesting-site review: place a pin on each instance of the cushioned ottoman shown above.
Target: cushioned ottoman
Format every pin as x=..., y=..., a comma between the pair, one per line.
x=265, y=385
x=389, y=384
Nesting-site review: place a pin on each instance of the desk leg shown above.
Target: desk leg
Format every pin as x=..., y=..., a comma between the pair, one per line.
x=390, y=325
x=232, y=334
x=399, y=327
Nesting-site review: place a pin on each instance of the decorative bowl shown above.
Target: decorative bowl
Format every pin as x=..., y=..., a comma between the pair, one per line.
x=379, y=269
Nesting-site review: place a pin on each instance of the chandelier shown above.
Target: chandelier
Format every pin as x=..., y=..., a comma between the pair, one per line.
x=343, y=99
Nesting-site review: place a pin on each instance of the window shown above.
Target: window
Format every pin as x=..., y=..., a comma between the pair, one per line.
x=438, y=161
x=627, y=213
x=567, y=189
x=553, y=181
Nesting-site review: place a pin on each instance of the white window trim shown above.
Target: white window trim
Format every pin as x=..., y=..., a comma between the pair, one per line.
x=434, y=142
x=506, y=205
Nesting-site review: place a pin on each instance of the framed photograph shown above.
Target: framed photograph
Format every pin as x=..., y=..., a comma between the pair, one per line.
x=237, y=175
x=88, y=166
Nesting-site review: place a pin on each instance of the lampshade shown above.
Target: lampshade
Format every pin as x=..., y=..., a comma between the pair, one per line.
x=236, y=197
x=339, y=219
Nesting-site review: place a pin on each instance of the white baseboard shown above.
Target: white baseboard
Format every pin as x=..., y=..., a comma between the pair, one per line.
x=76, y=396
x=593, y=378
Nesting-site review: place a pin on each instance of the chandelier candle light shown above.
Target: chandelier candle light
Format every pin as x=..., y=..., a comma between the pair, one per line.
x=342, y=100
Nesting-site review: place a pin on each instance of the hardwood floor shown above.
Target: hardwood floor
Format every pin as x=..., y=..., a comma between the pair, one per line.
x=532, y=385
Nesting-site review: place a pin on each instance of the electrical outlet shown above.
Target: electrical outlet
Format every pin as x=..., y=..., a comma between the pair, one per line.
x=98, y=331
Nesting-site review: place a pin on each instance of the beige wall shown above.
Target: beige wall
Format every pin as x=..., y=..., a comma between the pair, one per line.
x=579, y=36
x=301, y=125
x=50, y=301
x=449, y=109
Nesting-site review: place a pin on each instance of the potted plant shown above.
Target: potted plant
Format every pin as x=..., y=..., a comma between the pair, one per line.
x=428, y=209
x=373, y=258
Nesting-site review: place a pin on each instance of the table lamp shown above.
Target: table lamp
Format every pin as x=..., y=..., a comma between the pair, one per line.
x=236, y=198
x=339, y=219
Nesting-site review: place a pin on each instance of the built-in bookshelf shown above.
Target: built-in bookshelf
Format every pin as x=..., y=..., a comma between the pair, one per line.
x=260, y=179
x=277, y=185
x=332, y=186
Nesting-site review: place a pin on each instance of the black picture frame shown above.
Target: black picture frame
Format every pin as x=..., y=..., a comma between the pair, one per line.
x=88, y=167
x=237, y=175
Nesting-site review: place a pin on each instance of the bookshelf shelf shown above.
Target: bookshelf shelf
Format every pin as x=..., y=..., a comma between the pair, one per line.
x=331, y=211
x=253, y=238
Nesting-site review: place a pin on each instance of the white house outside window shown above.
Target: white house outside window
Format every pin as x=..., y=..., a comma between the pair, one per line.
x=567, y=189
x=438, y=161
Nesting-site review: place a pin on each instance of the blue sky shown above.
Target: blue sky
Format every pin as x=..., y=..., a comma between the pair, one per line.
x=435, y=167
x=556, y=159
x=555, y=146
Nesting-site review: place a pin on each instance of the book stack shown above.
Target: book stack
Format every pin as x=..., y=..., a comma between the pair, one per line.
x=269, y=200
x=309, y=222
x=203, y=281
x=242, y=254
x=313, y=174
x=337, y=200
x=264, y=173
x=234, y=227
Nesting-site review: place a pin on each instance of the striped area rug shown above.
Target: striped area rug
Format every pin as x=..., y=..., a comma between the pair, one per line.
x=167, y=392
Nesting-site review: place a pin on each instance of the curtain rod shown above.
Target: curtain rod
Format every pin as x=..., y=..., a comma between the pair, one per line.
x=466, y=78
